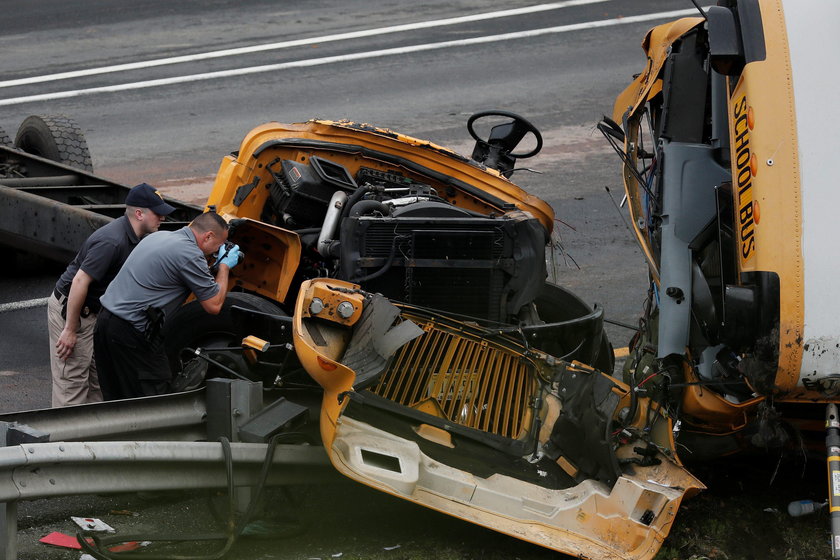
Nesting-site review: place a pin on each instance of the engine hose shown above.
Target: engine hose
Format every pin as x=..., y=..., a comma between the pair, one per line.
x=233, y=530
x=367, y=206
x=352, y=200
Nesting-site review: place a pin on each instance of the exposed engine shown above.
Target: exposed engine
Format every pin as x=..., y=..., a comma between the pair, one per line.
x=398, y=236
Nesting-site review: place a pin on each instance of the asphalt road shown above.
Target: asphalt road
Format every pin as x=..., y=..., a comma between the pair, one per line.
x=156, y=107
x=564, y=77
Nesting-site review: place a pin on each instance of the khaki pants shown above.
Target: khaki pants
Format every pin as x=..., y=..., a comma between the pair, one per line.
x=74, y=380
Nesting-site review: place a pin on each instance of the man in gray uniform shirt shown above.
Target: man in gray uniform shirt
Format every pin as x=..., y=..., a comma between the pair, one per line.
x=71, y=312
x=154, y=281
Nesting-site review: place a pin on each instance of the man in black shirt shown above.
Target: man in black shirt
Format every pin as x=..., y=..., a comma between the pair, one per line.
x=71, y=312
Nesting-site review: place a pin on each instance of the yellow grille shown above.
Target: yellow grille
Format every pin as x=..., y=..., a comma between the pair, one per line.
x=469, y=382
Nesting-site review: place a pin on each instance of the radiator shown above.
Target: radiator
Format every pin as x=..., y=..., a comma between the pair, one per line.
x=469, y=381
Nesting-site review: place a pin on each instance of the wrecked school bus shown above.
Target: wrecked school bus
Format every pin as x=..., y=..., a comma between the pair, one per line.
x=393, y=304
x=726, y=138
x=726, y=141
x=392, y=307
x=453, y=375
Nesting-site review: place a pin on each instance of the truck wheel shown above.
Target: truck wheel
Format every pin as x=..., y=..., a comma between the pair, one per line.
x=192, y=327
x=54, y=137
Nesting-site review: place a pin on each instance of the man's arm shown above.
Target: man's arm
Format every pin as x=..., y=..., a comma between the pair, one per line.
x=214, y=304
x=75, y=301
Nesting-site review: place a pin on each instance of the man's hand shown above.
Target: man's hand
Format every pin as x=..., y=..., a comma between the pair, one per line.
x=228, y=255
x=214, y=304
x=75, y=301
x=66, y=343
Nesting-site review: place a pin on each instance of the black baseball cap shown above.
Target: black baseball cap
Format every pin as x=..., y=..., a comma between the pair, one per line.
x=145, y=195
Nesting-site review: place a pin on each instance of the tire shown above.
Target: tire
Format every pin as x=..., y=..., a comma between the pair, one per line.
x=192, y=327
x=56, y=137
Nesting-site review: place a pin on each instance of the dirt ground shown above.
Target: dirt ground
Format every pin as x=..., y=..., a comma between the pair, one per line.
x=743, y=515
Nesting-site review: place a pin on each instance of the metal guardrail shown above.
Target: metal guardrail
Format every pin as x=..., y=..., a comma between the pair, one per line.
x=145, y=444
x=48, y=470
x=176, y=417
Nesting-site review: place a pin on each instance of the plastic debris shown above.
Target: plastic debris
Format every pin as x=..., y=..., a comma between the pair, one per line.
x=128, y=546
x=804, y=507
x=69, y=541
x=60, y=539
x=93, y=524
x=396, y=546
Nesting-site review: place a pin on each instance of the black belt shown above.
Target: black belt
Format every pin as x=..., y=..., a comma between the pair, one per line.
x=87, y=308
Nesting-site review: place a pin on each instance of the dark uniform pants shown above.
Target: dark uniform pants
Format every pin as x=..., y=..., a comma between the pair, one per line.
x=129, y=365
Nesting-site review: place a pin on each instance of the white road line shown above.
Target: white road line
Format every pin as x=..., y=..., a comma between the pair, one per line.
x=345, y=58
x=296, y=43
x=21, y=305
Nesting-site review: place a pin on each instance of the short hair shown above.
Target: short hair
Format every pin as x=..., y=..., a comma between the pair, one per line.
x=129, y=210
x=209, y=221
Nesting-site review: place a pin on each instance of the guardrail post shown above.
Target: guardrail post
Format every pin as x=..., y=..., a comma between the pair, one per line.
x=14, y=434
x=231, y=403
x=8, y=513
x=8, y=521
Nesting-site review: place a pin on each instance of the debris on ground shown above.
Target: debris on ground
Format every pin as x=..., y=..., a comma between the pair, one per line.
x=63, y=540
x=92, y=524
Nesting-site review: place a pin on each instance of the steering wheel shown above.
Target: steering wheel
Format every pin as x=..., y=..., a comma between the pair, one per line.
x=519, y=127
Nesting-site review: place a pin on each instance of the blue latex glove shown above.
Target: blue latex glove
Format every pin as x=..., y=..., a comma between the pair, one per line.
x=227, y=256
